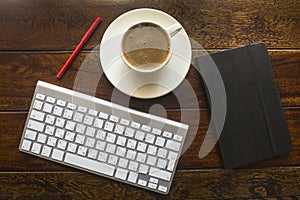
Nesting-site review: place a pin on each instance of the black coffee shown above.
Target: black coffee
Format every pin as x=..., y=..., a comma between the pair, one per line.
x=146, y=46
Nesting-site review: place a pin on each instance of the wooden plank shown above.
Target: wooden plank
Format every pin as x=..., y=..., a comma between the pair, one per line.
x=197, y=184
x=20, y=72
x=11, y=127
x=26, y=25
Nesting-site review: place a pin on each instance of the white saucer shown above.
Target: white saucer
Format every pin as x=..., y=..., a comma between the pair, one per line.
x=133, y=83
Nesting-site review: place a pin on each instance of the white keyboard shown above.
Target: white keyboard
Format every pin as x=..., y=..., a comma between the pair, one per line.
x=104, y=138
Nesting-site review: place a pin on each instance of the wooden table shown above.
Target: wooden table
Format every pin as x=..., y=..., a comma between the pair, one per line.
x=37, y=37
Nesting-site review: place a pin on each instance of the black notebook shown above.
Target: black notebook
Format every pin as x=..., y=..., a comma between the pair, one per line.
x=255, y=127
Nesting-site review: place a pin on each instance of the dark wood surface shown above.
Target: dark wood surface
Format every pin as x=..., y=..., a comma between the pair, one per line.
x=37, y=37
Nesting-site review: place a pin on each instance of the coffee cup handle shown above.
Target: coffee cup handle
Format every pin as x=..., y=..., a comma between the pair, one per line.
x=173, y=29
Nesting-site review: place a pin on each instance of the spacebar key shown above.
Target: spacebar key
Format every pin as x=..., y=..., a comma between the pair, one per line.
x=89, y=164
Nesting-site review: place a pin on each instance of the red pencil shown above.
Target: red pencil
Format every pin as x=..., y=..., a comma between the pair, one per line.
x=79, y=46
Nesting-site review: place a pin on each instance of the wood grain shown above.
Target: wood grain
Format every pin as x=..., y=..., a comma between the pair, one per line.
x=36, y=39
x=31, y=25
x=20, y=72
x=11, y=127
x=197, y=184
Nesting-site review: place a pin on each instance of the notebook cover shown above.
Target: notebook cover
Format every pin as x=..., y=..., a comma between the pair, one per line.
x=255, y=127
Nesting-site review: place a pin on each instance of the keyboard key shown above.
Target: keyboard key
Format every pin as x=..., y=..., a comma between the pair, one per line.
x=141, y=157
x=46, y=151
x=121, y=151
x=108, y=126
x=92, y=154
x=121, y=141
x=88, y=120
x=34, y=125
x=172, y=160
x=135, y=125
x=124, y=122
x=151, y=160
x=146, y=128
x=132, y=177
x=100, y=145
x=123, y=162
x=36, y=148
x=37, y=104
x=131, y=154
x=143, y=169
x=57, y=154
x=68, y=114
x=60, y=122
x=72, y=147
x=49, y=130
x=152, y=150
x=139, y=135
x=51, y=141
x=131, y=144
x=142, y=182
x=61, y=103
x=80, y=128
x=70, y=125
x=102, y=156
x=92, y=165
x=82, y=150
x=177, y=138
x=30, y=134
x=161, y=163
x=50, y=99
x=173, y=145
x=90, y=142
x=112, y=159
x=167, y=134
x=121, y=173
x=98, y=123
x=156, y=131
x=110, y=148
x=93, y=112
x=101, y=135
x=162, y=188
x=40, y=96
x=70, y=136
x=150, y=138
x=152, y=185
x=153, y=180
x=129, y=132
x=160, y=141
x=57, y=111
x=62, y=144
x=103, y=115
x=37, y=115
x=60, y=133
x=90, y=132
x=162, y=153
x=26, y=144
x=71, y=106
x=141, y=147
x=78, y=117
x=133, y=166
x=119, y=129
x=80, y=139
x=42, y=138
x=114, y=118
x=111, y=137
x=47, y=108
x=160, y=174
x=50, y=119
x=82, y=109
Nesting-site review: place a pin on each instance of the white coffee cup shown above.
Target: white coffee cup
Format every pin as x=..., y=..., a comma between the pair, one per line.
x=147, y=47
